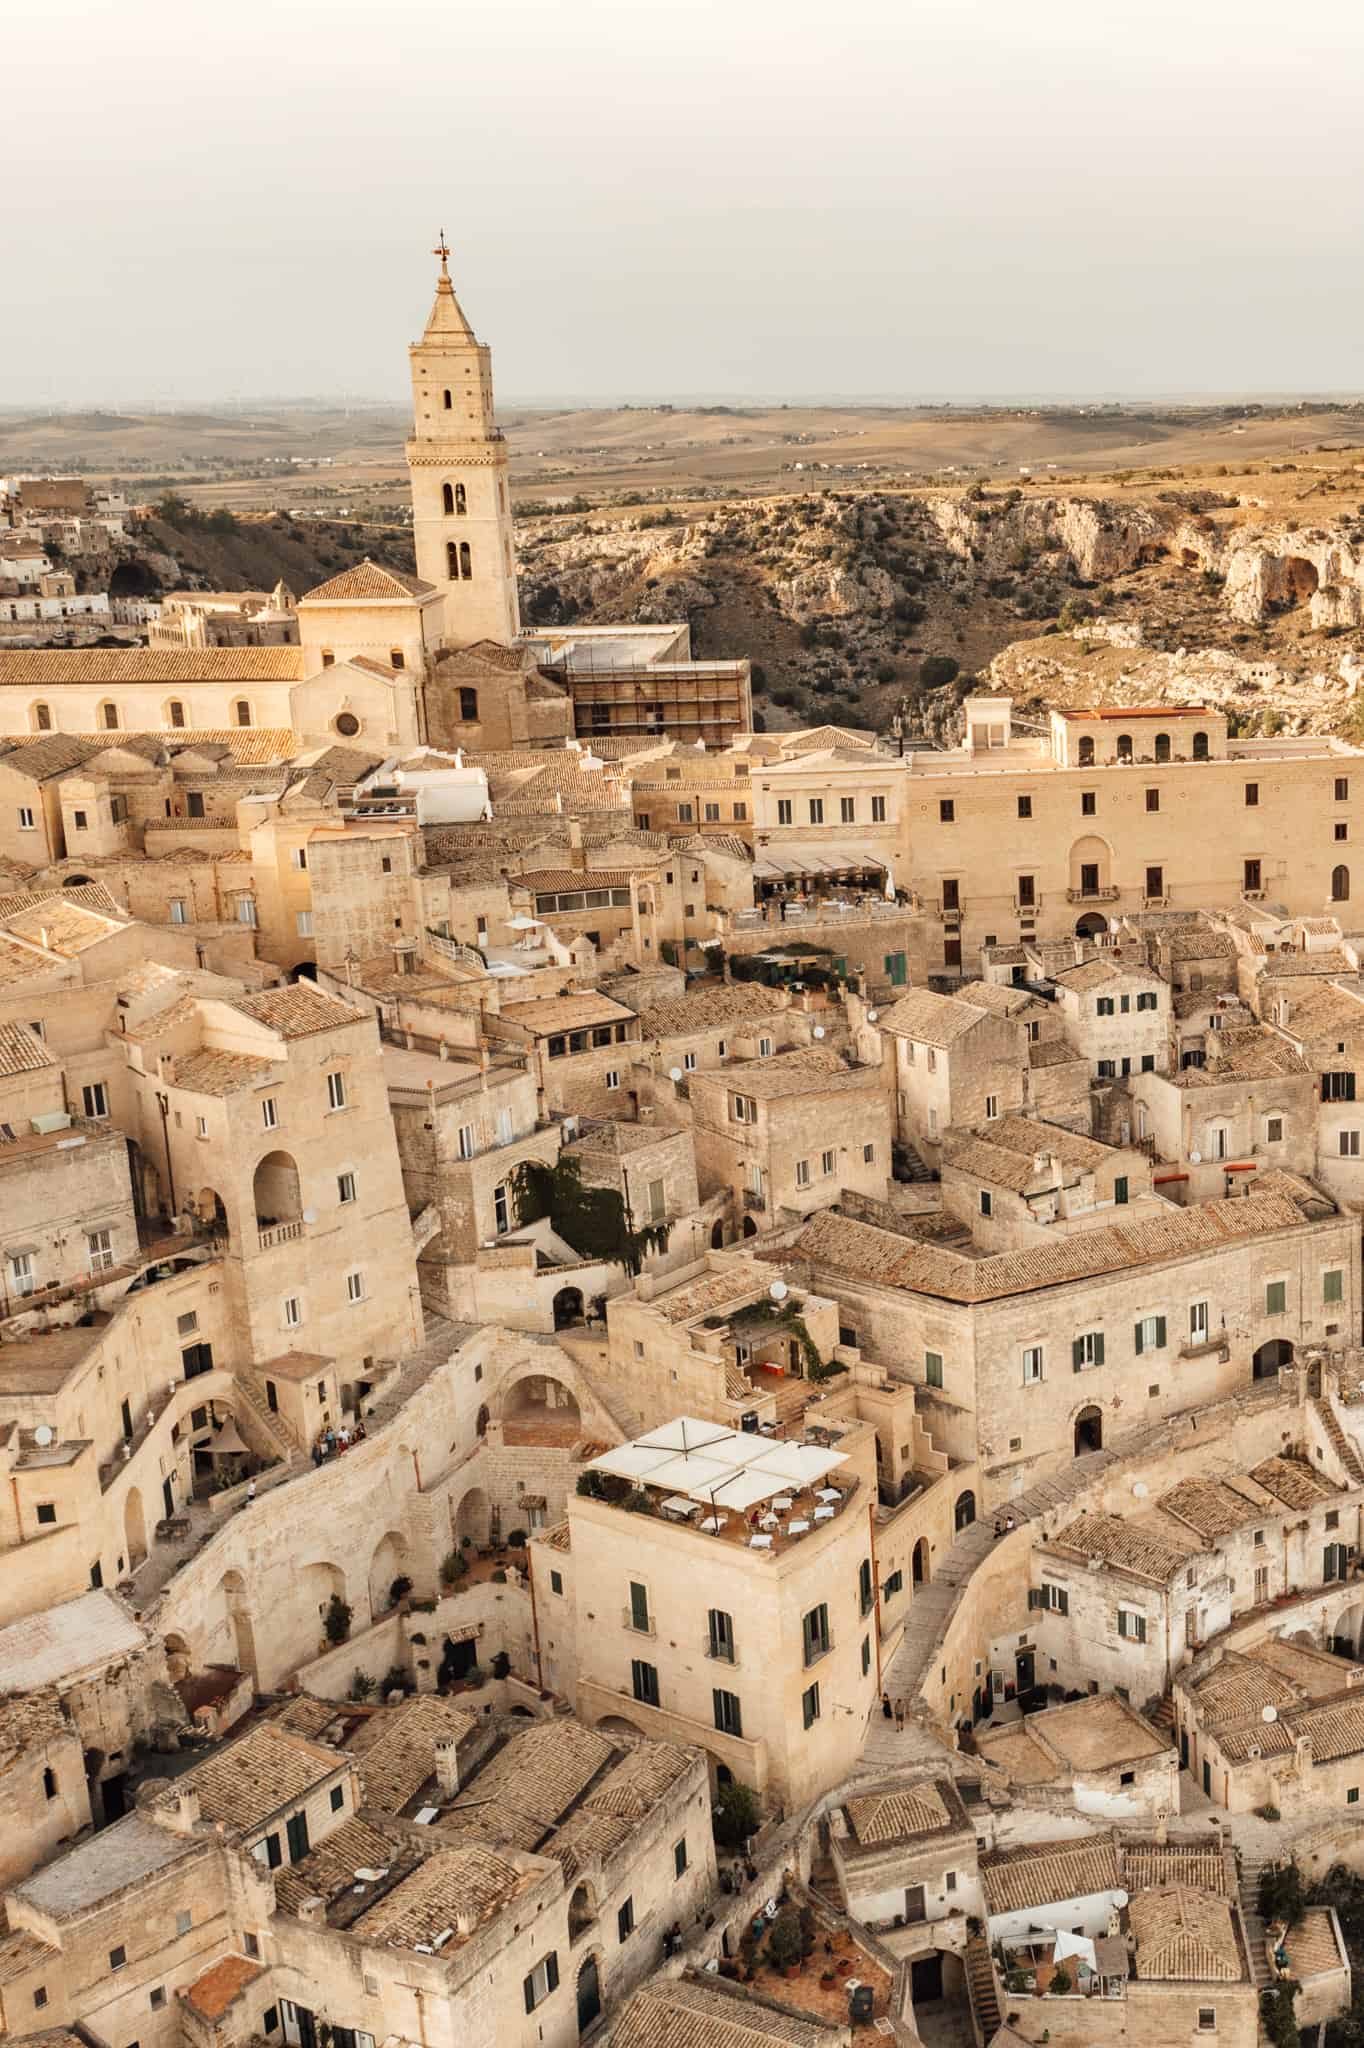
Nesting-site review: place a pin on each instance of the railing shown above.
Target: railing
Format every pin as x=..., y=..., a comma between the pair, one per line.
x=1092, y=895
x=754, y=1198
x=453, y=949
x=280, y=1233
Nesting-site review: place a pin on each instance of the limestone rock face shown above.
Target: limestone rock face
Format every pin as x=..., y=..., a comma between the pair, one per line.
x=1101, y=539
x=1274, y=571
x=825, y=588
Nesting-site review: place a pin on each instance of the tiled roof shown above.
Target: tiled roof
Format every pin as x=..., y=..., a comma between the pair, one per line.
x=298, y=1011
x=539, y=1774
x=221, y=1985
x=400, y=1754
x=1015, y=1750
x=1335, y=1728
x=248, y=745
x=1240, y=1685
x=461, y=1888
x=1154, y=1866
x=809, y=1070
x=560, y=1537
x=61, y=1642
x=997, y=997
x=736, y=1003
x=60, y=926
x=1311, y=1945
x=1048, y=1873
x=22, y=1051
x=548, y=881
x=1199, y=942
x=1293, y=1481
x=929, y=1019
x=1135, y=1545
x=683, y=2014
x=247, y=1780
x=891, y=1816
x=1098, y=1733
x=44, y=667
x=367, y=579
x=1254, y=1054
x=1029, y=1135
x=54, y=753
x=1184, y=1934
x=219, y=1073
x=816, y=737
x=553, y=1014
x=329, y=1867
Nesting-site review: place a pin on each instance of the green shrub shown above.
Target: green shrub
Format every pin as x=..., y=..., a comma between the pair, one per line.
x=362, y=1686
x=336, y=1621
x=737, y=1814
x=1281, y=1894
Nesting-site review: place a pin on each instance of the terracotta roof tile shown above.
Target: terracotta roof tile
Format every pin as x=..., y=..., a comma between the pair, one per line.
x=221, y=1985
x=246, y=1781
x=49, y=667
x=682, y=2014
x=1184, y=1934
x=368, y=580
x=299, y=1011
x=1048, y=1873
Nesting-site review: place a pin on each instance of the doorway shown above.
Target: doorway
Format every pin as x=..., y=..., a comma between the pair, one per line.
x=1089, y=1431
x=1271, y=1358
x=925, y=1978
x=589, y=1994
x=916, y=1904
x=1025, y=1671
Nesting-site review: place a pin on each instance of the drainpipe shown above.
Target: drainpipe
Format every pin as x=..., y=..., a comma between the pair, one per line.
x=163, y=1104
x=875, y=1589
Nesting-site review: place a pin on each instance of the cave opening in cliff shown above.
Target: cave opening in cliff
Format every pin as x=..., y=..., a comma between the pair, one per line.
x=1300, y=580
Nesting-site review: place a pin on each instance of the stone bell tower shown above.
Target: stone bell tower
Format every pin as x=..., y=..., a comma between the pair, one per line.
x=457, y=459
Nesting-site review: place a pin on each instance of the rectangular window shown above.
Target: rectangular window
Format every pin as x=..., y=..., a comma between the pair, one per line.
x=680, y=1858
x=118, y=1957
x=1338, y=1086
x=1274, y=1130
x=1342, y=831
x=878, y=810
x=612, y=1078
x=816, y=810
x=1349, y=1144
x=644, y=1682
x=336, y=1091
x=802, y=1173
x=1104, y=1006
x=345, y=1188
x=47, y=1514
x=1087, y=1351
x=95, y=1098
x=625, y=1920
x=729, y=1718
x=1131, y=1627
x=868, y=1155
x=720, y=1635
x=826, y=1163
x=246, y=910
x=293, y=1313
x=1025, y=807
x=80, y=821
x=1251, y=880
x=740, y=814
x=1153, y=799
x=991, y=1108
x=355, y=1286
x=933, y=1368
x=296, y=1834
x=1148, y=1000
x=467, y=1144
x=1333, y=1285
x=987, y=1202
x=269, y=1112
x=556, y=1582
x=25, y=818
x=1207, y=2019
x=338, y=1797
x=303, y=924
x=177, y=910
x=815, y=1632
x=1089, y=803
x=1276, y=1297
x=1120, y=1190
x=1252, y=794
x=99, y=1248
x=543, y=1980
x=1149, y=1335
x=1155, y=883
x=809, y=1706
x=1198, y=1322
x=847, y=810
x=947, y=811
x=1342, y=789
x=639, y=1608
x=783, y=810
x=893, y=1585
x=1032, y=1364
x=951, y=895
x=711, y=813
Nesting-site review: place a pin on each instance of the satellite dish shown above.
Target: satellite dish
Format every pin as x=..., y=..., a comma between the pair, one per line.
x=1120, y=1898
x=44, y=1433
x=674, y=1073
x=1140, y=1488
x=779, y=1290
x=1195, y=1159
x=871, y=1016
x=1269, y=1713
x=310, y=1215
x=819, y=1031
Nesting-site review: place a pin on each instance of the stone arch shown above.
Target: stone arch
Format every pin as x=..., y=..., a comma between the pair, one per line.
x=717, y=1235
x=447, y=500
x=319, y=1581
x=582, y=1909
x=472, y=1518
x=1089, y=1431
x=241, y=1629
x=1345, y=1635
x=209, y=1207
x=1123, y=746
x=1091, y=925
x=1085, y=750
x=617, y=1725
x=134, y=1529
x=177, y=1657
x=920, y=1569
x=466, y=565
x=535, y=1396
x=1340, y=885
x=275, y=1186
x=568, y=1307
x=1271, y=1358
x=588, y=1988
x=750, y=1227
x=386, y=1564
x=1300, y=580
x=75, y=881
x=964, y=1512
x=1091, y=864
x=1200, y=746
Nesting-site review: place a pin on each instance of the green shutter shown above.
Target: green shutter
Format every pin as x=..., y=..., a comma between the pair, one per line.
x=1099, y=1348
x=1077, y=1354
x=1160, y=1333
x=552, y=1970
x=1136, y=1339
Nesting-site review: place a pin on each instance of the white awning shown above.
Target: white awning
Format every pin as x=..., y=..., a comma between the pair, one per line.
x=816, y=858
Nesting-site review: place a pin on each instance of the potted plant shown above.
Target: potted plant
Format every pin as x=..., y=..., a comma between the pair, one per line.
x=336, y=1620
x=454, y=1566
x=362, y=1686
x=1061, y=1980
x=501, y=1665
x=399, y=1590
x=784, y=1945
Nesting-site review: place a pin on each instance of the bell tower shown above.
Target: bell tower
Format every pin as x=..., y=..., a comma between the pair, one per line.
x=457, y=459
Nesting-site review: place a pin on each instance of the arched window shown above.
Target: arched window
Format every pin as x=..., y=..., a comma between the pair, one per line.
x=42, y=718
x=1200, y=746
x=328, y=658
x=176, y=711
x=449, y=401
x=1340, y=885
x=1124, y=746
x=241, y=711
x=1086, y=752
x=468, y=705
x=461, y=499
x=1162, y=746
x=447, y=498
x=108, y=717
x=452, y=560
x=465, y=561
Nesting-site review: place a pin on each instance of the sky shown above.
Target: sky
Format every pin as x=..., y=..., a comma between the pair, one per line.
x=682, y=199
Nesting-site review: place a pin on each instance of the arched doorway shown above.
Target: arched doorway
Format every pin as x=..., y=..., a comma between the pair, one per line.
x=1346, y=1635
x=473, y=1519
x=1271, y=1358
x=919, y=1571
x=750, y=1227
x=582, y=1910
x=134, y=1529
x=717, y=1236
x=539, y=1409
x=276, y=1188
x=385, y=1571
x=568, y=1307
x=232, y=1587
x=1091, y=925
x=589, y=1994
x=319, y=1582
x=965, y=1511
x=1089, y=1431
x=209, y=1208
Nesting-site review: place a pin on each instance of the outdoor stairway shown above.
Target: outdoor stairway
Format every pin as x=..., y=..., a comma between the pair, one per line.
x=1340, y=1443
x=1255, y=1926
x=914, y=1167
x=1162, y=1717
x=270, y=1421
x=980, y=1983
x=824, y=1880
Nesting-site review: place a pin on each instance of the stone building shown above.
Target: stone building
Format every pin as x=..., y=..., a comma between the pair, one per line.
x=1094, y=1755
x=789, y=1134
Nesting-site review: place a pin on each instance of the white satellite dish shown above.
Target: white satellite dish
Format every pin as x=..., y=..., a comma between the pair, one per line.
x=1140, y=1488
x=674, y=1073
x=1120, y=1898
x=310, y=1215
x=779, y=1290
x=1195, y=1159
x=819, y=1031
x=871, y=1016
x=1269, y=1713
x=44, y=1433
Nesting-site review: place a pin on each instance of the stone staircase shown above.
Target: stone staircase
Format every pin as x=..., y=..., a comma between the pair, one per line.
x=980, y=1984
x=274, y=1425
x=1255, y=1926
x=824, y=1880
x=1162, y=1716
x=1339, y=1442
x=914, y=1168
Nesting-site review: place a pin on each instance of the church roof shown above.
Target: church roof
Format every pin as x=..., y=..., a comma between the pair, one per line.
x=45, y=667
x=368, y=579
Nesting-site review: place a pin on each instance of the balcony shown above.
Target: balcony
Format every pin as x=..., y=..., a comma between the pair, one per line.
x=754, y=1198
x=722, y=1652
x=1092, y=895
x=280, y=1233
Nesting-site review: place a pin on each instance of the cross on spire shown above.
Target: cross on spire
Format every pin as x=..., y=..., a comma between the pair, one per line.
x=442, y=249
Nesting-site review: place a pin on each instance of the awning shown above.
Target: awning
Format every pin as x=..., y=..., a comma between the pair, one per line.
x=815, y=858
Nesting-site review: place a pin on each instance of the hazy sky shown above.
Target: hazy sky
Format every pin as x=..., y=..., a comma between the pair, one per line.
x=667, y=198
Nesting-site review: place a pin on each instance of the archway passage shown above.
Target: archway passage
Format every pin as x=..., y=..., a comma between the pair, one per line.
x=1271, y=1358
x=1089, y=1431
x=278, y=1198
x=386, y=1570
x=1346, y=1635
x=750, y=1227
x=473, y=1519
x=589, y=1994
x=717, y=1236
x=582, y=1910
x=1091, y=925
x=541, y=1410
x=919, y=1570
x=568, y=1307
x=965, y=1511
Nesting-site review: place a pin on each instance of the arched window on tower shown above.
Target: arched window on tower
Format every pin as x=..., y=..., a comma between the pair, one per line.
x=465, y=561
x=108, y=717
x=241, y=711
x=449, y=401
x=42, y=718
x=452, y=560
x=1086, y=752
x=1340, y=885
x=461, y=500
x=1124, y=746
x=176, y=711
x=447, y=498
x=468, y=705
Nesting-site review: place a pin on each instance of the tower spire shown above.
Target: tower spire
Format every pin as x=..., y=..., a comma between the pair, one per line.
x=442, y=249
x=447, y=316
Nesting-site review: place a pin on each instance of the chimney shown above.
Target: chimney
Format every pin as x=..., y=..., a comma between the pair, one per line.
x=577, y=858
x=447, y=1768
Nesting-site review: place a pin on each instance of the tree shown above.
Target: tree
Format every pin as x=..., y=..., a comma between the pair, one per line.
x=336, y=1620
x=935, y=670
x=784, y=1944
x=737, y=1814
x=1281, y=1894
x=361, y=1686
